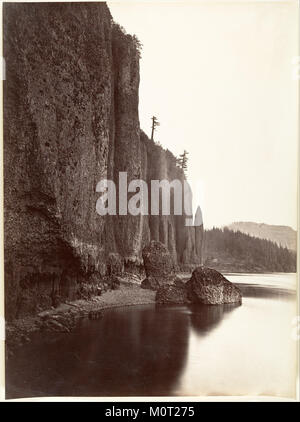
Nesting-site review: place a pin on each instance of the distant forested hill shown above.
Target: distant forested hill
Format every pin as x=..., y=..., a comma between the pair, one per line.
x=283, y=235
x=227, y=250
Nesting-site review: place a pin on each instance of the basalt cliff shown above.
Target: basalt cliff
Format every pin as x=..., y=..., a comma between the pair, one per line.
x=70, y=120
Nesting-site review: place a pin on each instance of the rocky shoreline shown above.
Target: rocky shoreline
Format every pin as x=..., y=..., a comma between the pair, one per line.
x=65, y=317
x=162, y=285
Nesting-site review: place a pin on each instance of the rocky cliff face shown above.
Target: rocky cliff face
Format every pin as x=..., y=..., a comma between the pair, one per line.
x=70, y=120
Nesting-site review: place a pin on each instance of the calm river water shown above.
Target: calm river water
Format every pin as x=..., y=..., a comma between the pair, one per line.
x=171, y=350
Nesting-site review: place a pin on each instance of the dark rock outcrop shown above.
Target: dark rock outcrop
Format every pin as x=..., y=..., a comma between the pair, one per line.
x=172, y=294
x=151, y=283
x=210, y=287
x=115, y=264
x=70, y=120
x=206, y=286
x=60, y=323
x=158, y=262
x=159, y=267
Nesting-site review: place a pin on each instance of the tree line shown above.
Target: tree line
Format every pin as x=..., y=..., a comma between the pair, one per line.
x=224, y=245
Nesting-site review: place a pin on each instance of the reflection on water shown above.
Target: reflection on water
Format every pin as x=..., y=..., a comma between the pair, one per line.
x=259, y=291
x=131, y=351
x=205, y=318
x=167, y=350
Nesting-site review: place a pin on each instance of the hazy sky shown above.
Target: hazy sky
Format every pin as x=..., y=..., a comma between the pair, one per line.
x=218, y=75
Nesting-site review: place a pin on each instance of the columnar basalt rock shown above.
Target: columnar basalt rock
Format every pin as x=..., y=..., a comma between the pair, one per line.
x=115, y=264
x=70, y=120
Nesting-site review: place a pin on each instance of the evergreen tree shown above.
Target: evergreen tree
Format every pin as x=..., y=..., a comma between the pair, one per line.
x=182, y=161
x=155, y=123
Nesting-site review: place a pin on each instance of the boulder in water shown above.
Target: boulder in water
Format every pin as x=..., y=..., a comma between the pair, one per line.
x=210, y=287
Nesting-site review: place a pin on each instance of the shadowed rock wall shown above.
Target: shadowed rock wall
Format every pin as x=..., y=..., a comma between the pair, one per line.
x=71, y=119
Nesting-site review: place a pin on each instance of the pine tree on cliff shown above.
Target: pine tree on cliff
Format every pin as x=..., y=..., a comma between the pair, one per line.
x=155, y=123
x=182, y=161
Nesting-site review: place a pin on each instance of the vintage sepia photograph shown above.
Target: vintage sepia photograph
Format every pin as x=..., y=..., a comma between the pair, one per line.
x=150, y=199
